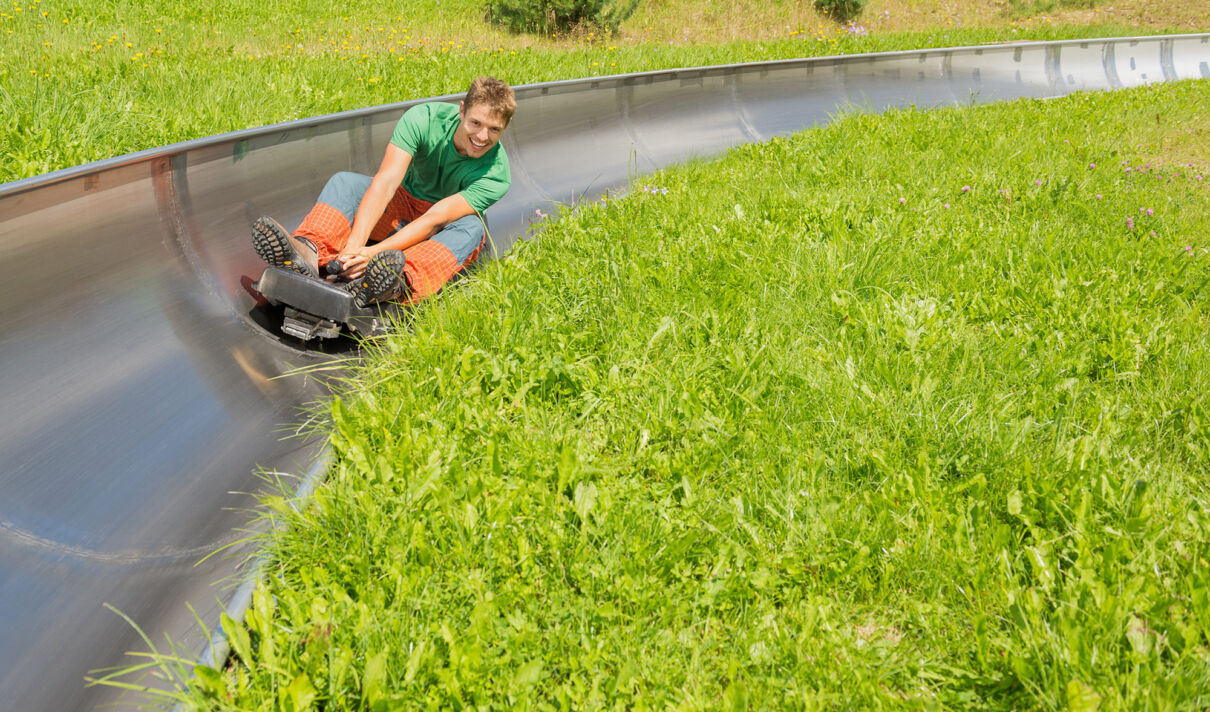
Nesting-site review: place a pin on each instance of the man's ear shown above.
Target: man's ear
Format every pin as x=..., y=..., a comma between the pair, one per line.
x=462, y=107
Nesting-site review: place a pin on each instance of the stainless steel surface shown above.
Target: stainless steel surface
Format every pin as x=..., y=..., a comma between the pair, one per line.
x=139, y=390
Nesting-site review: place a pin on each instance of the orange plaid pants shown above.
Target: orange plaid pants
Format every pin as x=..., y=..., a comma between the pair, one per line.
x=429, y=265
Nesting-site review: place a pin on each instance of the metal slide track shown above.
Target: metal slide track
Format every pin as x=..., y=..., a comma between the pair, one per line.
x=139, y=389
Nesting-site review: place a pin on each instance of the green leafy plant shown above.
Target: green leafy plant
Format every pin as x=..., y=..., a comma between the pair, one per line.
x=841, y=10
x=548, y=17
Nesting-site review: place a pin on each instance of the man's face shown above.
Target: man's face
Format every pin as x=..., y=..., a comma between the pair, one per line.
x=479, y=131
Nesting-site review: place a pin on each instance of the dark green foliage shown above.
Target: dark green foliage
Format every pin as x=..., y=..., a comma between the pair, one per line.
x=548, y=17
x=841, y=10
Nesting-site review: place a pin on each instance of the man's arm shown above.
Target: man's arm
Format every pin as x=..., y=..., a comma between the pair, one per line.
x=386, y=181
x=443, y=212
x=355, y=255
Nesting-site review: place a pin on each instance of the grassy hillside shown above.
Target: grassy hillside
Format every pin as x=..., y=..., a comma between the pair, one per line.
x=915, y=423
x=904, y=412
x=82, y=81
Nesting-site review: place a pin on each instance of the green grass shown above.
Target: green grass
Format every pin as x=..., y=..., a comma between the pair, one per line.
x=80, y=82
x=810, y=427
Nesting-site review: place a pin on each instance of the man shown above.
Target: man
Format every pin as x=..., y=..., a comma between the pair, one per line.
x=404, y=233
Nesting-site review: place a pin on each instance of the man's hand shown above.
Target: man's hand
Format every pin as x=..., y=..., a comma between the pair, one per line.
x=354, y=262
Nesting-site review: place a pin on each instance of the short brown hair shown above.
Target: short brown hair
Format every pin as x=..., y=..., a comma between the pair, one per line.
x=496, y=94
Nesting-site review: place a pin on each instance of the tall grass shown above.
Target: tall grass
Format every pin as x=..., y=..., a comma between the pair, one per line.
x=908, y=411
x=85, y=81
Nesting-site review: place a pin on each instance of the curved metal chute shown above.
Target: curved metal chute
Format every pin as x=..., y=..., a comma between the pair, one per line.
x=142, y=387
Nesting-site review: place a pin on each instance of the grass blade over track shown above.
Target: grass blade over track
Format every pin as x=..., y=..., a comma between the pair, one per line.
x=895, y=412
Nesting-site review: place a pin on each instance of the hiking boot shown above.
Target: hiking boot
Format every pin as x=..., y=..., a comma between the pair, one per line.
x=383, y=281
x=281, y=249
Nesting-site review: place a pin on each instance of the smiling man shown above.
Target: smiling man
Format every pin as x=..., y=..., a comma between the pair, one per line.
x=402, y=234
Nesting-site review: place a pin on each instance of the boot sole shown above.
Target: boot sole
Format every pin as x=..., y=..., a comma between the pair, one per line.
x=273, y=245
x=382, y=276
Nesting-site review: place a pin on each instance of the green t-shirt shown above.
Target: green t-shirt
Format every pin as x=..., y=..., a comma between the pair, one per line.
x=437, y=169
